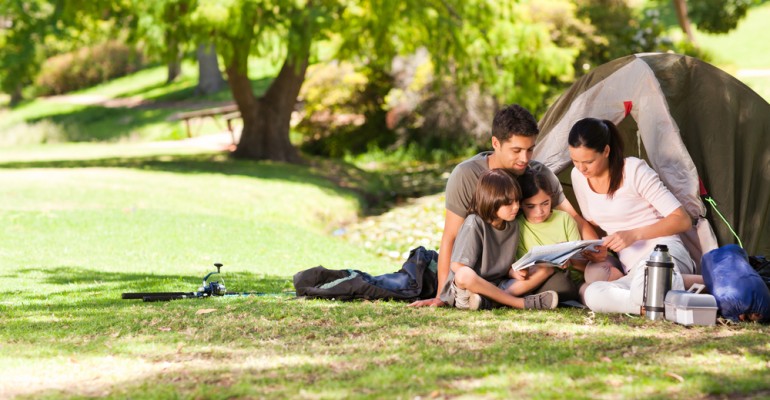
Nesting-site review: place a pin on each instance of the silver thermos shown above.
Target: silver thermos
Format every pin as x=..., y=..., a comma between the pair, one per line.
x=658, y=276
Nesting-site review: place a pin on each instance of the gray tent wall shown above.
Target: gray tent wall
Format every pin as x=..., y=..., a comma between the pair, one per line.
x=688, y=119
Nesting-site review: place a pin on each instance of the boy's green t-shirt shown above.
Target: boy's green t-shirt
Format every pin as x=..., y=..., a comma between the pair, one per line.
x=558, y=228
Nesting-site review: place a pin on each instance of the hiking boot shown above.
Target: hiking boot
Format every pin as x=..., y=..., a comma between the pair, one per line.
x=478, y=302
x=542, y=301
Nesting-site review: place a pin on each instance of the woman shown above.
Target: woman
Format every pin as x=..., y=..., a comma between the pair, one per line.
x=626, y=199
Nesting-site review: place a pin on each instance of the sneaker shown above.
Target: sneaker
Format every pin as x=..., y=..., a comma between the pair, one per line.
x=478, y=302
x=542, y=301
x=462, y=297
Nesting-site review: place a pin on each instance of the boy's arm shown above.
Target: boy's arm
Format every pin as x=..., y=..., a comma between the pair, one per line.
x=452, y=224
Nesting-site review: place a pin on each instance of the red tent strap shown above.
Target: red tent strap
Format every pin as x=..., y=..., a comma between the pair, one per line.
x=703, y=191
x=628, y=105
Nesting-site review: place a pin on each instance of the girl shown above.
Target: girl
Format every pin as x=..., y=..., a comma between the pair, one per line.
x=485, y=248
x=625, y=198
x=539, y=224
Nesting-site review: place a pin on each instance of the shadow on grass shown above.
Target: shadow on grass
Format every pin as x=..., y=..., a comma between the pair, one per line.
x=271, y=346
x=212, y=163
x=324, y=349
x=84, y=286
x=100, y=123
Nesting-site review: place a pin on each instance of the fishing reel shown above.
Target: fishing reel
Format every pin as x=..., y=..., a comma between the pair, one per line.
x=207, y=289
x=214, y=288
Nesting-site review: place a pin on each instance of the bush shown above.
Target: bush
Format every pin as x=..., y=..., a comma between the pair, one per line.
x=87, y=67
x=342, y=109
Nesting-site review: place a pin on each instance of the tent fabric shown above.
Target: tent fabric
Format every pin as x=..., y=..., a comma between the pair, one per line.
x=689, y=120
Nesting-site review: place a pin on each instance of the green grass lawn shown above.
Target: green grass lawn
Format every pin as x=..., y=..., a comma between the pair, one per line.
x=85, y=222
x=77, y=233
x=148, y=116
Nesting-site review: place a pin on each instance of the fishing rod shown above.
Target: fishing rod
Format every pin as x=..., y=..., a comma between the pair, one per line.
x=207, y=289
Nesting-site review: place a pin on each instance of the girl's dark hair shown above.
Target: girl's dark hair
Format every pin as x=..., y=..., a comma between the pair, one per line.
x=595, y=134
x=496, y=188
x=532, y=182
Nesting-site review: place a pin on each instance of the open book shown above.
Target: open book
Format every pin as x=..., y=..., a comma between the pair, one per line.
x=555, y=254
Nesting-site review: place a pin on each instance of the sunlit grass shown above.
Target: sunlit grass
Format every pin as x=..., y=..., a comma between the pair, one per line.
x=78, y=233
x=746, y=46
x=148, y=114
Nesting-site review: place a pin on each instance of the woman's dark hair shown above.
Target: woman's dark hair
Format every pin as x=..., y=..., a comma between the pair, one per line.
x=496, y=188
x=596, y=134
x=532, y=182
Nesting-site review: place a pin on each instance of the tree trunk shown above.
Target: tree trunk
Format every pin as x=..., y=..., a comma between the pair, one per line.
x=680, y=6
x=16, y=97
x=174, y=69
x=209, y=76
x=266, y=121
x=173, y=57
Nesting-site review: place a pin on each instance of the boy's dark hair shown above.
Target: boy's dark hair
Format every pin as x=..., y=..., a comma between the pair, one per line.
x=532, y=182
x=496, y=188
x=513, y=120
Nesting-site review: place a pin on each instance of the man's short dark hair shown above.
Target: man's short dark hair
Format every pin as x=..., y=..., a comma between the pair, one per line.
x=513, y=120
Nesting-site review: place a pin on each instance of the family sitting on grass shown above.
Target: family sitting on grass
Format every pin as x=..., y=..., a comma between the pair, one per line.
x=501, y=203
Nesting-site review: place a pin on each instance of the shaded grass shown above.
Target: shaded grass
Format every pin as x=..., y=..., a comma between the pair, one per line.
x=79, y=232
x=276, y=347
x=151, y=120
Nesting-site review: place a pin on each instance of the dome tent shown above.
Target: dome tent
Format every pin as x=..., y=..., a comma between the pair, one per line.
x=690, y=121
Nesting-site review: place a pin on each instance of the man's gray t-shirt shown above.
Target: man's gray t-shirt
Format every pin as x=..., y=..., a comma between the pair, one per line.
x=462, y=182
x=488, y=251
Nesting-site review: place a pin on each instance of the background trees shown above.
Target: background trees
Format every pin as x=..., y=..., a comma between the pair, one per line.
x=432, y=72
x=493, y=45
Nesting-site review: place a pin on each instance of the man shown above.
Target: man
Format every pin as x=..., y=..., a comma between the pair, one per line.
x=514, y=131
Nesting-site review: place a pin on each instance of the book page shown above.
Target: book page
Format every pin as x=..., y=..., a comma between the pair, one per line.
x=556, y=254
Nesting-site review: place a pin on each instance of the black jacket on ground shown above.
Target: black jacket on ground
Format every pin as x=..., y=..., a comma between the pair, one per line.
x=417, y=279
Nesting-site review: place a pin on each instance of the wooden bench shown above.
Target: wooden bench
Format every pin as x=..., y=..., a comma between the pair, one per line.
x=229, y=113
x=229, y=118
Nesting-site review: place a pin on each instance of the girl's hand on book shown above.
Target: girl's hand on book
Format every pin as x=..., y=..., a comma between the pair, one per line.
x=595, y=253
x=520, y=275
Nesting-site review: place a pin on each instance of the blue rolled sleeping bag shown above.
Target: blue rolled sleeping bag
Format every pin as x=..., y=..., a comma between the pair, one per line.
x=737, y=287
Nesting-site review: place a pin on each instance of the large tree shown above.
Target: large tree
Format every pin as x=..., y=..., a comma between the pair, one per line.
x=455, y=32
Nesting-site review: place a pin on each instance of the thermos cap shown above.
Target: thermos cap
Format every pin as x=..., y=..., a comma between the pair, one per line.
x=660, y=254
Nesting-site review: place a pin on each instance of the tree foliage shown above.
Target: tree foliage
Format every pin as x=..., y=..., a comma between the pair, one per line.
x=33, y=30
x=499, y=48
x=718, y=16
x=26, y=26
x=162, y=27
x=493, y=44
x=625, y=30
